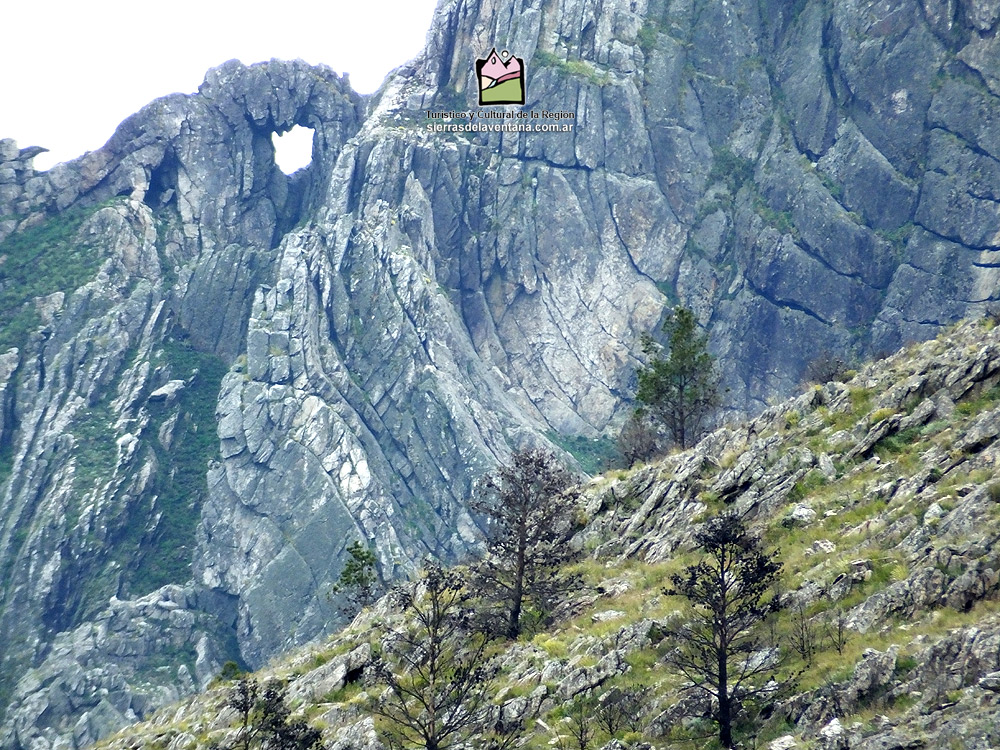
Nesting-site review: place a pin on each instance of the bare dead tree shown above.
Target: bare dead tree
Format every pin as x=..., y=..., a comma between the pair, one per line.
x=622, y=709
x=837, y=630
x=804, y=637
x=506, y=728
x=437, y=673
x=826, y=366
x=579, y=727
x=637, y=441
x=265, y=721
x=528, y=508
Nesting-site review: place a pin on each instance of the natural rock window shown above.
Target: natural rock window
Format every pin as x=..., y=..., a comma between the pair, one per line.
x=293, y=150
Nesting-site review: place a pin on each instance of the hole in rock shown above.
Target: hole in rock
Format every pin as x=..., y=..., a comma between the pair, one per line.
x=293, y=150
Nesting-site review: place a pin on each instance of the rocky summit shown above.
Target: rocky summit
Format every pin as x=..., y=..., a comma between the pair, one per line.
x=215, y=376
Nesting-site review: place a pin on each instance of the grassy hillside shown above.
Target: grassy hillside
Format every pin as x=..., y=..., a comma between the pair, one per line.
x=881, y=494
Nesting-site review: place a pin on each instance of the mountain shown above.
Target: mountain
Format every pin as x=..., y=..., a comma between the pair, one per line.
x=880, y=494
x=215, y=376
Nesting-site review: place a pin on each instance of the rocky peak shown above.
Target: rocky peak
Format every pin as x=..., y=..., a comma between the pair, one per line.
x=361, y=340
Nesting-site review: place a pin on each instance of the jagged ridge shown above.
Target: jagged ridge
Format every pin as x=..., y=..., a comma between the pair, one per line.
x=394, y=318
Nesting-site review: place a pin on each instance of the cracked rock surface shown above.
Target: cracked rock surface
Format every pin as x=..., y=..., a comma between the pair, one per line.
x=250, y=370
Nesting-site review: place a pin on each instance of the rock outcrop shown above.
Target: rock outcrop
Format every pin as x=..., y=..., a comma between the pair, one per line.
x=138, y=265
x=359, y=341
x=897, y=622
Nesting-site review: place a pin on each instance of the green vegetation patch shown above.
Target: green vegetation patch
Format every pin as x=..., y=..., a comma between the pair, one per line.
x=648, y=36
x=807, y=485
x=834, y=188
x=861, y=400
x=979, y=403
x=571, y=68
x=897, y=237
x=6, y=461
x=182, y=476
x=39, y=261
x=595, y=455
x=780, y=220
x=729, y=168
x=96, y=450
x=904, y=441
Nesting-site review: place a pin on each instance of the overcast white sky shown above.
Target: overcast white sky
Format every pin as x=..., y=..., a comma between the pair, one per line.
x=71, y=70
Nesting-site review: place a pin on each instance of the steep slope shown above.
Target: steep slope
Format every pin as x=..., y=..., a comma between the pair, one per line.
x=128, y=281
x=882, y=495
x=378, y=329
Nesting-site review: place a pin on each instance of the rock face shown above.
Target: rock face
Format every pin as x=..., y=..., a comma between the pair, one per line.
x=138, y=266
x=901, y=614
x=230, y=373
x=130, y=659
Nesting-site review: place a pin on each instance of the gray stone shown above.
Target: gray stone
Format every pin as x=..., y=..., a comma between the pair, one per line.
x=823, y=546
x=934, y=513
x=867, y=181
x=833, y=736
x=785, y=742
x=981, y=55
x=8, y=150
x=167, y=392
x=990, y=682
x=802, y=74
x=803, y=515
x=607, y=615
x=861, y=570
x=983, y=14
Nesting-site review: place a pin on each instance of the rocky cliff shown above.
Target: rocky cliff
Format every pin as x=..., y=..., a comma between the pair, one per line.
x=882, y=498
x=214, y=376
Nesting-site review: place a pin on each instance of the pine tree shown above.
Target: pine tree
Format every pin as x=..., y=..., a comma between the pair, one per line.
x=358, y=579
x=680, y=390
x=721, y=648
